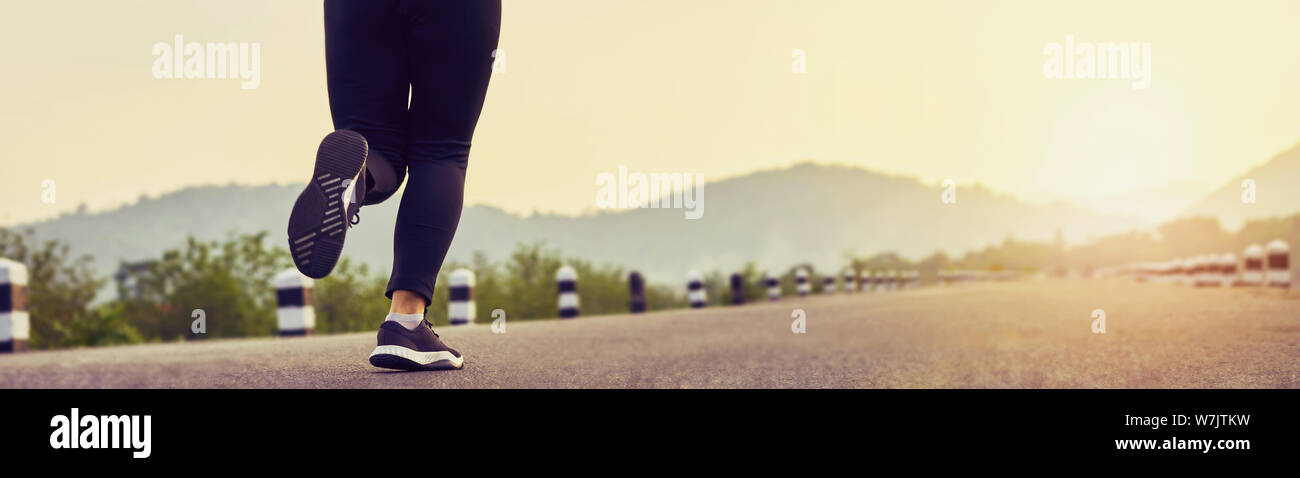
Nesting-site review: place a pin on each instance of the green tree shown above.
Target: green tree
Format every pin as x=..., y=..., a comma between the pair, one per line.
x=230, y=280
x=601, y=290
x=60, y=290
x=109, y=325
x=530, y=280
x=350, y=299
x=665, y=297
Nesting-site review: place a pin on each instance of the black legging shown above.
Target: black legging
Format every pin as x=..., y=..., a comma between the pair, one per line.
x=376, y=51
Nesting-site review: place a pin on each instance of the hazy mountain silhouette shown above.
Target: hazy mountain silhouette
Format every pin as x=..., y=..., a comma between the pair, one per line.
x=1277, y=188
x=805, y=213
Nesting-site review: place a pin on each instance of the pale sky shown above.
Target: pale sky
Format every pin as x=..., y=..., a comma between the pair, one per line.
x=930, y=89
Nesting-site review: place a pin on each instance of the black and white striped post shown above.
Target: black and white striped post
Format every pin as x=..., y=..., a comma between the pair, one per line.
x=737, y=289
x=1214, y=270
x=566, y=280
x=295, y=310
x=1279, y=264
x=1252, y=272
x=1218, y=270
x=461, y=309
x=636, y=292
x=850, y=281
x=1228, y=270
x=695, y=290
x=864, y=280
x=891, y=280
x=1197, y=268
x=15, y=323
x=1169, y=272
x=801, y=285
x=1181, y=271
x=877, y=281
x=1205, y=269
x=773, y=286
x=828, y=284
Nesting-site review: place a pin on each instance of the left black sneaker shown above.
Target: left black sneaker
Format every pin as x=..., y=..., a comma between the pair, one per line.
x=328, y=206
x=416, y=349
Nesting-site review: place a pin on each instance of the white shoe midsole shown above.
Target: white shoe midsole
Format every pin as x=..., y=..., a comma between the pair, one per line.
x=422, y=358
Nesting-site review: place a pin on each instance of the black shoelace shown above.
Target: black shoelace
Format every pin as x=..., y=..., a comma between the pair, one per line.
x=358, y=195
x=430, y=326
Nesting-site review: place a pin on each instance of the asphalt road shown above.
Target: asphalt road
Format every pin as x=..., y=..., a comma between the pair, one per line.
x=1001, y=335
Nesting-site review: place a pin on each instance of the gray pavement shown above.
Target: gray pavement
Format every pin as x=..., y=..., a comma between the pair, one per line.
x=1032, y=334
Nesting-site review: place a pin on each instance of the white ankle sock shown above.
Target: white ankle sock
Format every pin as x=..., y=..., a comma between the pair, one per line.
x=410, y=321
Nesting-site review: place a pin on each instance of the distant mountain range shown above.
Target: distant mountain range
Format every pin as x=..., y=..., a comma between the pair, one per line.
x=1277, y=193
x=805, y=213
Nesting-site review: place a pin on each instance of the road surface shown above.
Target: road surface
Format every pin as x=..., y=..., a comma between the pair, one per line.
x=1032, y=334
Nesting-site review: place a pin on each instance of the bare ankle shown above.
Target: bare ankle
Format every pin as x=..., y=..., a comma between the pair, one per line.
x=407, y=302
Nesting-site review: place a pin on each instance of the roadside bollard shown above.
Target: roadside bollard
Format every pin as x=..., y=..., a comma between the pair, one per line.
x=295, y=311
x=566, y=281
x=801, y=285
x=773, y=286
x=695, y=290
x=461, y=309
x=1161, y=273
x=1279, y=264
x=1180, y=271
x=15, y=323
x=1192, y=270
x=850, y=281
x=636, y=291
x=1213, y=271
x=864, y=281
x=1205, y=271
x=828, y=284
x=1252, y=273
x=1228, y=270
x=737, y=289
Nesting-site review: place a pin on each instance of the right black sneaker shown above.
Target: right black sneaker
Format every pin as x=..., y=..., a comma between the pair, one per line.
x=416, y=349
x=328, y=206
